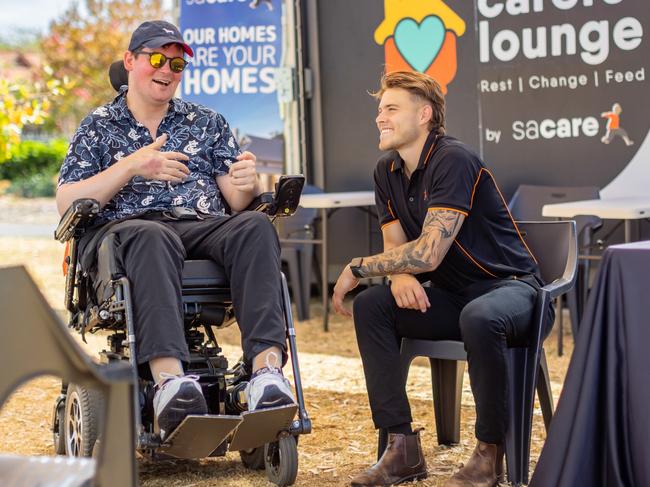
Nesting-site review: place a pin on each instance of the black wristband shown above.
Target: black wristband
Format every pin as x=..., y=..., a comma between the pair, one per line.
x=355, y=267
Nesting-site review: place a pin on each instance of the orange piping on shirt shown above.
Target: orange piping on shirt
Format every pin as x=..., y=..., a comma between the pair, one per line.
x=503, y=200
x=426, y=160
x=449, y=209
x=389, y=223
x=473, y=260
x=478, y=178
x=390, y=210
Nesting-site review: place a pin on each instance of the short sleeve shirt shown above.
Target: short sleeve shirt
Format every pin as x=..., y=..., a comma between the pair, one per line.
x=111, y=132
x=451, y=176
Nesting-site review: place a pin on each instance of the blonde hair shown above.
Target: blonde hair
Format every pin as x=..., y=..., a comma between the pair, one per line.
x=421, y=86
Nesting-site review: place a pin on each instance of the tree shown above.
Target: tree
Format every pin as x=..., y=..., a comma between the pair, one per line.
x=23, y=104
x=82, y=44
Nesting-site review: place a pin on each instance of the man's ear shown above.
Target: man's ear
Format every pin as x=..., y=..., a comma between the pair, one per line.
x=129, y=59
x=426, y=113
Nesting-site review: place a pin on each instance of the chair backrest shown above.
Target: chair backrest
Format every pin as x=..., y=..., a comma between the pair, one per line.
x=118, y=75
x=554, y=245
x=528, y=200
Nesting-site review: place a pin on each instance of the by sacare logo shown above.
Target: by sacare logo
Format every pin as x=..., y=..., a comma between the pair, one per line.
x=420, y=36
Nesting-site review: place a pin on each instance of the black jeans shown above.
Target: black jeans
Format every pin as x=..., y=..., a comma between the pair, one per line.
x=488, y=317
x=151, y=252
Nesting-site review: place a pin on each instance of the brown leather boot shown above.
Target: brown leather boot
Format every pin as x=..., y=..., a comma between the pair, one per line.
x=402, y=461
x=483, y=469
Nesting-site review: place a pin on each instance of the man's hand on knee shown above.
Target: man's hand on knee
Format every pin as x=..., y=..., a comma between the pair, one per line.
x=409, y=293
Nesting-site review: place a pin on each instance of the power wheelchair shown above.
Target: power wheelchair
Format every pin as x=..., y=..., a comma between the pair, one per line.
x=265, y=439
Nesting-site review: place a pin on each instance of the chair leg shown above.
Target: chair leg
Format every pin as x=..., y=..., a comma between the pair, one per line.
x=560, y=328
x=584, y=289
x=523, y=378
x=515, y=447
x=306, y=260
x=316, y=269
x=544, y=391
x=580, y=290
x=447, y=383
x=574, y=314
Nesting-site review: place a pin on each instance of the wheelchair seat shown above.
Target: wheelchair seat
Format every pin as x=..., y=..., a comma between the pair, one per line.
x=206, y=293
x=204, y=273
x=205, y=290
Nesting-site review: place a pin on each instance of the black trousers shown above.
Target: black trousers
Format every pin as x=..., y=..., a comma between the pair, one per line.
x=488, y=317
x=151, y=251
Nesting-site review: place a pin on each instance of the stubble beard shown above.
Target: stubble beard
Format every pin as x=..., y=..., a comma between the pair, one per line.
x=396, y=142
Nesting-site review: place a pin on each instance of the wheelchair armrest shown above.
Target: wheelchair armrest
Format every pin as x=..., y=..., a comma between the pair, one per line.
x=261, y=202
x=284, y=201
x=76, y=219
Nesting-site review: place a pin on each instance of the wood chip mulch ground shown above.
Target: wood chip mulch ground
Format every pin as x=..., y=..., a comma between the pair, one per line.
x=343, y=440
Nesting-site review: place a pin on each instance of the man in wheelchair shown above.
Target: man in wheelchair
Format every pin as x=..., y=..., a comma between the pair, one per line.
x=164, y=172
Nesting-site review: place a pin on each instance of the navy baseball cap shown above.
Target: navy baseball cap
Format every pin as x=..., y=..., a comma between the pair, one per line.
x=157, y=33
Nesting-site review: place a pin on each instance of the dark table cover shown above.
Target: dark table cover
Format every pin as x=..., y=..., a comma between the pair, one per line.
x=600, y=434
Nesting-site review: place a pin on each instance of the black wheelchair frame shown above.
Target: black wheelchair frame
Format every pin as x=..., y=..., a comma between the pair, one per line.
x=106, y=305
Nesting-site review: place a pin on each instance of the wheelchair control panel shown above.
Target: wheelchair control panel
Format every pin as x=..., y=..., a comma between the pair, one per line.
x=80, y=213
x=285, y=200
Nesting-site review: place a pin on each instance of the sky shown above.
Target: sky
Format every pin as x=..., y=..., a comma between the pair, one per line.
x=33, y=15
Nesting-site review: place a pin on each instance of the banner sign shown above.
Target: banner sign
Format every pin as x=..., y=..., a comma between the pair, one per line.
x=560, y=86
x=237, y=47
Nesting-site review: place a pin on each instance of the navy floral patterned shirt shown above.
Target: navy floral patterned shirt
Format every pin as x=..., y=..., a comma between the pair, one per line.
x=111, y=132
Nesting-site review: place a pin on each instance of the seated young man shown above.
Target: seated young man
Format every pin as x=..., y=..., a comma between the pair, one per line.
x=444, y=221
x=140, y=156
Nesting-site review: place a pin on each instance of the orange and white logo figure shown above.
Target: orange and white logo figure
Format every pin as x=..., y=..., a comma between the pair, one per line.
x=614, y=126
x=420, y=35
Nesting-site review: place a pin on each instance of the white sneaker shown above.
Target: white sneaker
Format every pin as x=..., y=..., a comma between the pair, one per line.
x=268, y=388
x=175, y=398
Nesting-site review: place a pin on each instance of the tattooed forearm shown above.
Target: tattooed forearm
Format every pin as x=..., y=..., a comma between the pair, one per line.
x=424, y=254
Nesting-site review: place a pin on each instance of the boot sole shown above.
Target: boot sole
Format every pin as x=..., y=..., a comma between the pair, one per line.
x=409, y=478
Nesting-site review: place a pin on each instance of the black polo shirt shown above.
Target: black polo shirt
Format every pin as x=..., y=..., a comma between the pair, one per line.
x=451, y=176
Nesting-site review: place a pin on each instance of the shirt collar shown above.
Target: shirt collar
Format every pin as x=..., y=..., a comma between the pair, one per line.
x=121, y=109
x=425, y=155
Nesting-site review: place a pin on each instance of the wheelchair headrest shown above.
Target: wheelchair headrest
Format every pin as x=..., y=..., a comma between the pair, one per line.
x=118, y=75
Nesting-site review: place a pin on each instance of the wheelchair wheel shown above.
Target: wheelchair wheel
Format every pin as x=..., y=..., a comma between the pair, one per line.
x=58, y=428
x=253, y=459
x=80, y=427
x=281, y=461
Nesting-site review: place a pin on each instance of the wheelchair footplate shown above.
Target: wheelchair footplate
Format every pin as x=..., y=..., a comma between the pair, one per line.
x=199, y=435
x=260, y=427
